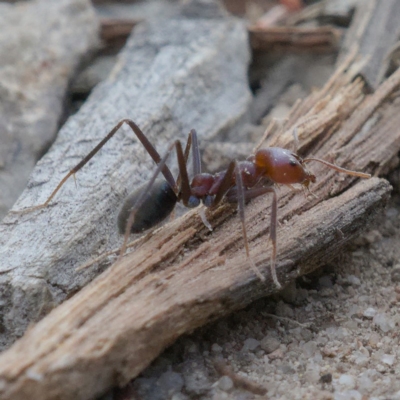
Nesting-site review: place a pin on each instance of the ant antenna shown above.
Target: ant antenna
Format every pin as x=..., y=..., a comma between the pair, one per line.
x=339, y=169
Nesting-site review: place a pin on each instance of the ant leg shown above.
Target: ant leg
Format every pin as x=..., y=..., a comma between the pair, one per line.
x=151, y=150
x=195, y=153
x=240, y=196
x=184, y=185
x=186, y=155
x=251, y=194
x=139, y=134
x=272, y=235
x=142, y=198
x=226, y=184
x=183, y=178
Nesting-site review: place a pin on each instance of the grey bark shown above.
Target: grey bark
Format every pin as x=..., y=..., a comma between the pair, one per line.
x=173, y=75
x=42, y=43
x=375, y=29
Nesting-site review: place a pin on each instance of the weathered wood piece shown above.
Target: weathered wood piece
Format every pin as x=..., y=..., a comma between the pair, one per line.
x=42, y=43
x=172, y=77
x=181, y=276
x=113, y=328
x=323, y=39
x=375, y=29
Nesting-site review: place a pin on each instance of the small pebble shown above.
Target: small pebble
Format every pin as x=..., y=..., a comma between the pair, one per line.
x=284, y=310
x=365, y=383
x=381, y=368
x=287, y=369
x=306, y=335
x=225, y=383
x=269, y=344
x=312, y=374
x=361, y=359
x=370, y=312
x=250, y=344
x=170, y=382
x=374, y=339
x=373, y=236
x=347, y=380
x=276, y=355
x=384, y=322
x=388, y=359
x=353, y=280
x=310, y=349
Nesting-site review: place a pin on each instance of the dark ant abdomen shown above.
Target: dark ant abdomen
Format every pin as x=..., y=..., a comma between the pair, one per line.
x=158, y=204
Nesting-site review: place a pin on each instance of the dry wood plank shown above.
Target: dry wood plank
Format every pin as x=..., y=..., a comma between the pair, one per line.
x=113, y=328
x=324, y=39
x=36, y=66
x=181, y=276
x=375, y=30
x=169, y=80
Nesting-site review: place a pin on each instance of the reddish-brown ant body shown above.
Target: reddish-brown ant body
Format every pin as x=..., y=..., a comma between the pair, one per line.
x=240, y=182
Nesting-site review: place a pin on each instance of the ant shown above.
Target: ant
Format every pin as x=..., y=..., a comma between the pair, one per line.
x=241, y=181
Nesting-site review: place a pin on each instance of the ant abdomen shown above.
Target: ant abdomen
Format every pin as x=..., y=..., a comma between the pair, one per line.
x=158, y=205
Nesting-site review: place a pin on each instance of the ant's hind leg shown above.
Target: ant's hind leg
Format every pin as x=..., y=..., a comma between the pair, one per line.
x=140, y=201
x=143, y=195
x=142, y=138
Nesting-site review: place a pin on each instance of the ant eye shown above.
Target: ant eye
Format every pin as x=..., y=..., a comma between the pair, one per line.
x=293, y=163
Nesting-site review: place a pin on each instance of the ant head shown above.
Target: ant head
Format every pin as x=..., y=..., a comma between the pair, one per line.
x=282, y=166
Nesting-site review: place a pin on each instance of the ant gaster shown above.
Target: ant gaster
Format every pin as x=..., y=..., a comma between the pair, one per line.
x=241, y=181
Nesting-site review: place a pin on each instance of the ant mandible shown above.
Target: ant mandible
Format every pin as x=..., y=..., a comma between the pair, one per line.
x=241, y=181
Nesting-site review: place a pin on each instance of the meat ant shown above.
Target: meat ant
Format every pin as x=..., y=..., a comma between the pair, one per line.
x=241, y=181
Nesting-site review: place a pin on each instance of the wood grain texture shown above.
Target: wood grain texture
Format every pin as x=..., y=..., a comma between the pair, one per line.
x=375, y=31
